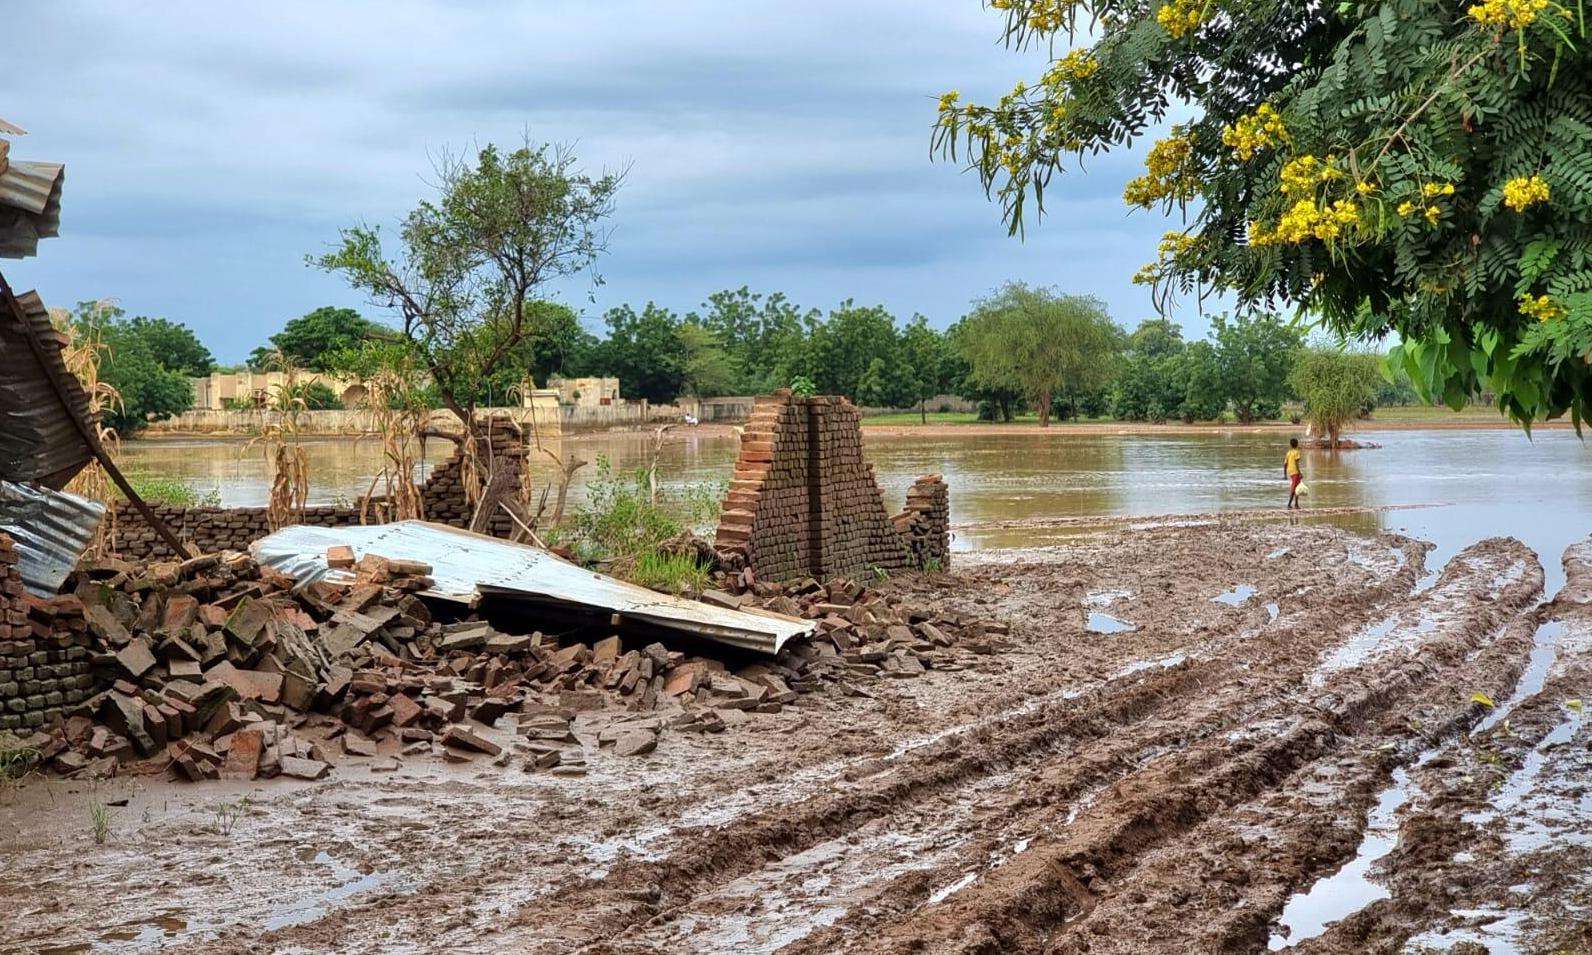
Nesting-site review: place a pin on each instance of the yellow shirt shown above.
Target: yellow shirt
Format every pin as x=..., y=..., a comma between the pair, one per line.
x=1292, y=461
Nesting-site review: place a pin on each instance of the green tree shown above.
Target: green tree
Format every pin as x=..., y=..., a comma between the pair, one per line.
x=1151, y=385
x=146, y=388
x=473, y=260
x=311, y=340
x=1336, y=387
x=1408, y=166
x=1204, y=392
x=706, y=369
x=1039, y=342
x=554, y=342
x=925, y=354
x=995, y=403
x=844, y=347
x=1254, y=354
x=175, y=344
x=644, y=350
x=318, y=396
x=763, y=334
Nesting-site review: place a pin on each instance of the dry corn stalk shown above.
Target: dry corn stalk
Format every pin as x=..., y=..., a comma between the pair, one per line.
x=399, y=420
x=290, y=463
x=83, y=352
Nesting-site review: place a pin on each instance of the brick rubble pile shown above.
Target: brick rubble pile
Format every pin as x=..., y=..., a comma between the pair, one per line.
x=217, y=666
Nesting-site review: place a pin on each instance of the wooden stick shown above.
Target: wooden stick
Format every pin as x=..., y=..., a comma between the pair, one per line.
x=90, y=438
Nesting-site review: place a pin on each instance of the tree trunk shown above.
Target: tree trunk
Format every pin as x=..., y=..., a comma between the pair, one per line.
x=1332, y=437
x=1044, y=409
x=923, y=411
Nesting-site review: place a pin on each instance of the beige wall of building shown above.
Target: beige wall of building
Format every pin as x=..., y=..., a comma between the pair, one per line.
x=213, y=393
x=586, y=392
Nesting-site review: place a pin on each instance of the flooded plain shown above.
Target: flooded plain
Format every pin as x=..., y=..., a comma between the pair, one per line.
x=1022, y=490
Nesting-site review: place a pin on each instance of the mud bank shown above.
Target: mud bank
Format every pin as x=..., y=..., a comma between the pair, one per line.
x=1173, y=787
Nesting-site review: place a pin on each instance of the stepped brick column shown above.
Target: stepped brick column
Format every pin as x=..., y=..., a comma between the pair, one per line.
x=804, y=502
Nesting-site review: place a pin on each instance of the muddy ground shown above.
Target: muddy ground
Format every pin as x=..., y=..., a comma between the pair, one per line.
x=1273, y=736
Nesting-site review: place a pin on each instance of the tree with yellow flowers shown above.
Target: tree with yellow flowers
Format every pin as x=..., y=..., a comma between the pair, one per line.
x=1421, y=167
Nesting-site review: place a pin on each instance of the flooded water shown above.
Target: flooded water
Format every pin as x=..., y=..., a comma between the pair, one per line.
x=1004, y=487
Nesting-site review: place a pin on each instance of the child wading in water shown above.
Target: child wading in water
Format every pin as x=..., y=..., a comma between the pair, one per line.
x=1290, y=469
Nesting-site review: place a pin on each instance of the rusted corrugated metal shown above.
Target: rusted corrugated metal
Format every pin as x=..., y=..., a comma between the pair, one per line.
x=468, y=566
x=30, y=206
x=51, y=530
x=38, y=442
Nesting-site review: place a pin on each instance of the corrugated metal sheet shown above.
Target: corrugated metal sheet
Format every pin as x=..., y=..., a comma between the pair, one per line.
x=467, y=566
x=30, y=206
x=51, y=530
x=38, y=442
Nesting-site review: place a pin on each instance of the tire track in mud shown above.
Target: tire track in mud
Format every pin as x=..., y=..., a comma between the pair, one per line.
x=1255, y=857
x=1057, y=887
x=642, y=898
x=1333, y=583
x=1493, y=847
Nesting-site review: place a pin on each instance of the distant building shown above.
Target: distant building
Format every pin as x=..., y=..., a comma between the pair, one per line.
x=224, y=389
x=586, y=392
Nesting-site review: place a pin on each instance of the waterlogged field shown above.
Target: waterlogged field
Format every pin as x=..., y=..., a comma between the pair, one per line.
x=1012, y=490
x=1227, y=731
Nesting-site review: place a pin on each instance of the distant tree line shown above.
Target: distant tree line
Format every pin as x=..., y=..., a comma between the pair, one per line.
x=1020, y=350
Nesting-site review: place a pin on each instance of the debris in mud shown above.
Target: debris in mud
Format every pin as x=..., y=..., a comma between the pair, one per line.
x=219, y=666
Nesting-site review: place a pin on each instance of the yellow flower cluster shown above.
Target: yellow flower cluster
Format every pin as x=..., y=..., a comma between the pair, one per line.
x=1542, y=308
x=1167, y=177
x=1044, y=16
x=1303, y=174
x=1507, y=14
x=1181, y=17
x=1305, y=221
x=1521, y=193
x=1430, y=210
x=1080, y=64
x=1261, y=129
x=948, y=102
x=1432, y=213
x=1173, y=244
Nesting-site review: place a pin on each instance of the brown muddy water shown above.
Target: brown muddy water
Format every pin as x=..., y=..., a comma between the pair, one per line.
x=1449, y=487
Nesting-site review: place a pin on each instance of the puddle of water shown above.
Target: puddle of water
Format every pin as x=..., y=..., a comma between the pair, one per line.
x=1349, y=889
x=1273, y=611
x=1105, y=623
x=1356, y=651
x=1279, y=552
x=1521, y=781
x=307, y=908
x=946, y=891
x=1544, y=649
x=1496, y=935
x=1105, y=598
x=1236, y=596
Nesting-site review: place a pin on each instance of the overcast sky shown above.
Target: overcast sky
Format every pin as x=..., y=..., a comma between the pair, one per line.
x=780, y=145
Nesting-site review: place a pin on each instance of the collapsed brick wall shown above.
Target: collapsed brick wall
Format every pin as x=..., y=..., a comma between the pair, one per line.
x=926, y=522
x=45, y=665
x=442, y=499
x=501, y=446
x=803, y=501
